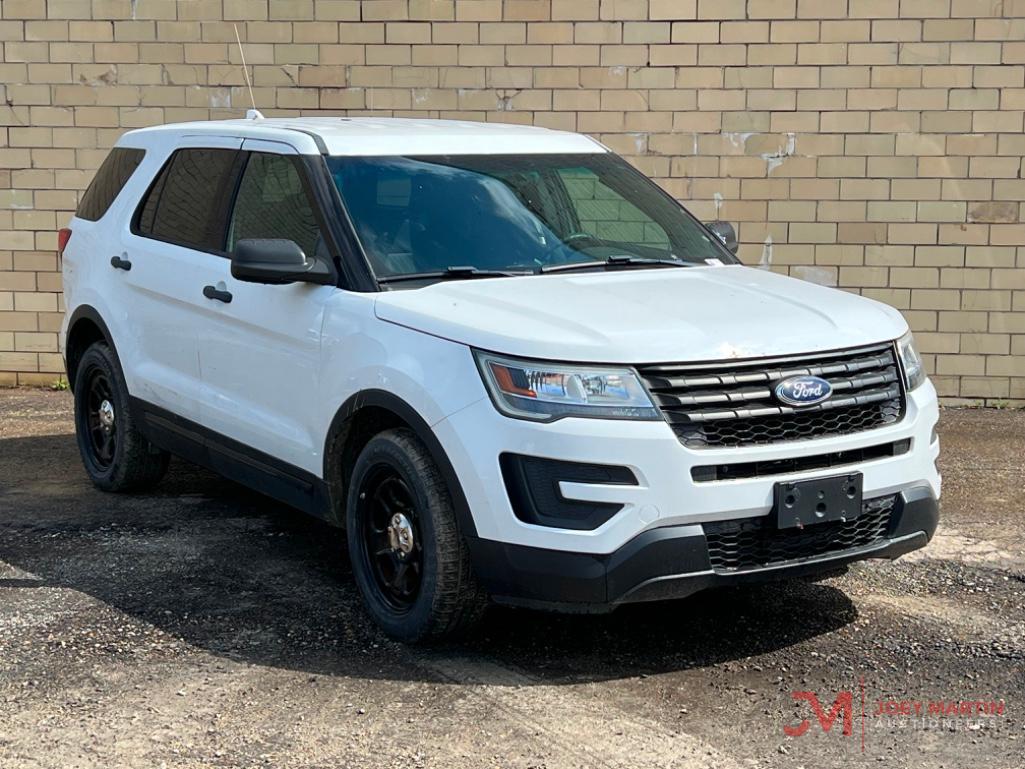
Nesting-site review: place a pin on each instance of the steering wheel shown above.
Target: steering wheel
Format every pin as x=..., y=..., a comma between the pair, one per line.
x=581, y=236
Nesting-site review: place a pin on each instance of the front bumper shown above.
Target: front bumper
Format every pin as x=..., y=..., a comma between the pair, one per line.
x=670, y=562
x=666, y=494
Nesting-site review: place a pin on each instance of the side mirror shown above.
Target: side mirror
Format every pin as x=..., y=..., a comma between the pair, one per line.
x=725, y=232
x=277, y=261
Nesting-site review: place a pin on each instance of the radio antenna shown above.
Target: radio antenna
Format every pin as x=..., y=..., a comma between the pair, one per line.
x=253, y=113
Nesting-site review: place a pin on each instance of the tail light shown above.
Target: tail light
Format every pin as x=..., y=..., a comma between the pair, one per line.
x=63, y=236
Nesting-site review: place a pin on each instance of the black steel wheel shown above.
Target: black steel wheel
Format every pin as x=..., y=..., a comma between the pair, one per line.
x=116, y=455
x=390, y=536
x=101, y=418
x=408, y=557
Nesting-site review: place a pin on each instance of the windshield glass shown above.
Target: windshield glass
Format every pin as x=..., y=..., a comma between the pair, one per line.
x=512, y=213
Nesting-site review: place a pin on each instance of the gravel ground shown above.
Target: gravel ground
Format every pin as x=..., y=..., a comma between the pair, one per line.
x=202, y=625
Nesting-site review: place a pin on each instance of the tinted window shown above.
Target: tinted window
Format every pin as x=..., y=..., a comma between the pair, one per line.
x=272, y=203
x=111, y=177
x=188, y=202
x=512, y=212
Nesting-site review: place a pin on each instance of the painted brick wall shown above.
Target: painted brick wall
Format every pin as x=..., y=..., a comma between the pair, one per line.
x=874, y=145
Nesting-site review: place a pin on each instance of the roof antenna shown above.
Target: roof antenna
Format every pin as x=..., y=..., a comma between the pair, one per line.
x=254, y=113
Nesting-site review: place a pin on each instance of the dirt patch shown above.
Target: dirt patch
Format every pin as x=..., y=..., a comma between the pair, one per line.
x=203, y=625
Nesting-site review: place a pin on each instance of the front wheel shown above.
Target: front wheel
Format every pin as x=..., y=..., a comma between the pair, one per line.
x=116, y=455
x=408, y=557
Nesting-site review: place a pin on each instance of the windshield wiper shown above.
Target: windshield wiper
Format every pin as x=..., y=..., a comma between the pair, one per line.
x=617, y=260
x=453, y=273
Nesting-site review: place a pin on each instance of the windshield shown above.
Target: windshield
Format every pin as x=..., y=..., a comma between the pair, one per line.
x=513, y=213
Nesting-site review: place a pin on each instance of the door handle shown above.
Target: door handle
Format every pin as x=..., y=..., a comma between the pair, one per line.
x=211, y=292
x=120, y=264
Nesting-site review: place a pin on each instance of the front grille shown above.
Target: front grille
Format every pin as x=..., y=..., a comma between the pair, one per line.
x=754, y=542
x=732, y=404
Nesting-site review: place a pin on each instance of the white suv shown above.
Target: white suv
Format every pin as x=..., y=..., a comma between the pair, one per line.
x=507, y=363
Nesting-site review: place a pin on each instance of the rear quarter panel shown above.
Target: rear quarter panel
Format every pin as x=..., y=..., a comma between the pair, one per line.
x=88, y=278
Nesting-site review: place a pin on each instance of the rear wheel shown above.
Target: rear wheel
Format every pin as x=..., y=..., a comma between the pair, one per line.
x=116, y=455
x=408, y=557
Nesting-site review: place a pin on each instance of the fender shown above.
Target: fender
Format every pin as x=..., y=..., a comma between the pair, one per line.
x=90, y=313
x=390, y=402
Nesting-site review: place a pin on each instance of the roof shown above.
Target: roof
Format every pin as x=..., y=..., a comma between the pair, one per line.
x=389, y=136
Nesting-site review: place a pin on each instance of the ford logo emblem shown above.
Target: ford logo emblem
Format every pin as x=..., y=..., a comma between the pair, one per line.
x=803, y=390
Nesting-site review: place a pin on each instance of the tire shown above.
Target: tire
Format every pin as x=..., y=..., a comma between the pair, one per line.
x=415, y=577
x=116, y=455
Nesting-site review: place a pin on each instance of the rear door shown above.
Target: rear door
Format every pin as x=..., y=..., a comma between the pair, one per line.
x=171, y=249
x=260, y=349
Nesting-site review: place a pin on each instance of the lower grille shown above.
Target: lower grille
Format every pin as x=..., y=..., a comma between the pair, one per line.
x=754, y=542
x=737, y=470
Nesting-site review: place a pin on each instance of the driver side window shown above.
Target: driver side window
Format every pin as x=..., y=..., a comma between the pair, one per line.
x=272, y=203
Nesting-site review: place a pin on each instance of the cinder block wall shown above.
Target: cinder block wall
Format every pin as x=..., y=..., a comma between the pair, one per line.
x=874, y=145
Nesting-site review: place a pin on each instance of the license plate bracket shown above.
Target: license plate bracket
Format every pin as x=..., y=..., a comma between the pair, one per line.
x=818, y=500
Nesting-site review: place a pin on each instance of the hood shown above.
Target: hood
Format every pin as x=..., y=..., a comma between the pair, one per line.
x=644, y=316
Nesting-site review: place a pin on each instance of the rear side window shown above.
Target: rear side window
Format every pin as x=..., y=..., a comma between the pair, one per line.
x=187, y=205
x=111, y=177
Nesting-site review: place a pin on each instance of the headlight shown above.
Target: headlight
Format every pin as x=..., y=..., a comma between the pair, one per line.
x=549, y=391
x=911, y=362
